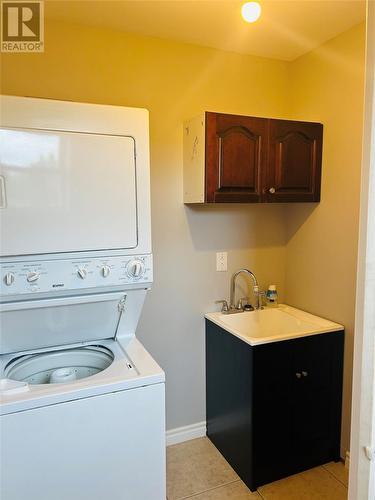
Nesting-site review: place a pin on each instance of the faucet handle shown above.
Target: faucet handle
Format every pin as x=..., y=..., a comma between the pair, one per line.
x=224, y=307
x=259, y=294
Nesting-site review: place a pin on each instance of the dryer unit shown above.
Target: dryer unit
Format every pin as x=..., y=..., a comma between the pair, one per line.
x=82, y=401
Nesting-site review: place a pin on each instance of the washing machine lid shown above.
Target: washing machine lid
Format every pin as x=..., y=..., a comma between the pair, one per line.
x=36, y=324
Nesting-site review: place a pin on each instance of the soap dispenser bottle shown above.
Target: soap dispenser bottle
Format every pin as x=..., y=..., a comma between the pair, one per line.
x=272, y=296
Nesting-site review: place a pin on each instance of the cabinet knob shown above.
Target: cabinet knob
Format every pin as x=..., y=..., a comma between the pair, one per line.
x=299, y=375
x=272, y=190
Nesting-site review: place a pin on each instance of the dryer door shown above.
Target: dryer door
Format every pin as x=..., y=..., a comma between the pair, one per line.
x=66, y=192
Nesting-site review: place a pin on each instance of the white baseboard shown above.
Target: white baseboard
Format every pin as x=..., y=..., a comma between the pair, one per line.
x=181, y=434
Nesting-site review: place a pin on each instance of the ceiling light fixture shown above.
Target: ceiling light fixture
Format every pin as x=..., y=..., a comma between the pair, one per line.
x=251, y=11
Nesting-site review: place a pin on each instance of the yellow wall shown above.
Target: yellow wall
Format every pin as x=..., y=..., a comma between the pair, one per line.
x=174, y=81
x=327, y=85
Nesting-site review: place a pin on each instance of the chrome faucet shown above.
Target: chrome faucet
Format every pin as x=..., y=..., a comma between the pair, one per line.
x=232, y=303
x=258, y=294
x=240, y=307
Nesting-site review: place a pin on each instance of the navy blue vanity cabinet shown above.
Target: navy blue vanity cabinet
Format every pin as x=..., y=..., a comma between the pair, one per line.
x=274, y=409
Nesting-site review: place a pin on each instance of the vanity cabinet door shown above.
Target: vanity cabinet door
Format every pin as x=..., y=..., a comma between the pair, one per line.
x=294, y=162
x=236, y=155
x=316, y=398
x=273, y=407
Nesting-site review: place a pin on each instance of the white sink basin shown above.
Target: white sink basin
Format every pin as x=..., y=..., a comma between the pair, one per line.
x=272, y=324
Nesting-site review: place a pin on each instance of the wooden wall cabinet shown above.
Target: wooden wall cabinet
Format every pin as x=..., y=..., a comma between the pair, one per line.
x=275, y=409
x=244, y=159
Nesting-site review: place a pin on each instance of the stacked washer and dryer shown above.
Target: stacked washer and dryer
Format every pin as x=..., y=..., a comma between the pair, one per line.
x=82, y=401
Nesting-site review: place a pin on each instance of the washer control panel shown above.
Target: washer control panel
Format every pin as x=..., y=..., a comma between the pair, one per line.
x=49, y=276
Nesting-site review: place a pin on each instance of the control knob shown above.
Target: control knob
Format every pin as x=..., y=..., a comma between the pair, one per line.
x=33, y=276
x=105, y=271
x=135, y=269
x=82, y=273
x=9, y=279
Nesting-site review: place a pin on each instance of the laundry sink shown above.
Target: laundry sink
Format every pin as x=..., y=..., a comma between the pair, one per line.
x=272, y=324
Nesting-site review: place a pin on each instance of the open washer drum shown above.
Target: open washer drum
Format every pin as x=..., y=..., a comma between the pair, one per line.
x=61, y=366
x=65, y=340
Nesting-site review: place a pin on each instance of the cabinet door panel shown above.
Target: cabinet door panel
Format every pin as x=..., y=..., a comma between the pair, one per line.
x=273, y=370
x=294, y=166
x=312, y=397
x=313, y=414
x=235, y=157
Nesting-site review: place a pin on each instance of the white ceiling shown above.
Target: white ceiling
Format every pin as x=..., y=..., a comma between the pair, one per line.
x=286, y=29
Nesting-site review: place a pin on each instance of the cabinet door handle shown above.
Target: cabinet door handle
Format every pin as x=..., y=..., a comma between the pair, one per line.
x=305, y=374
x=299, y=375
x=272, y=190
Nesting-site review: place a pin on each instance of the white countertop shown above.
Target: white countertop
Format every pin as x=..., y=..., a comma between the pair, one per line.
x=272, y=324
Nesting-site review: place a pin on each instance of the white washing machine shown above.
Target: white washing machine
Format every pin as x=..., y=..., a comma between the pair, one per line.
x=82, y=401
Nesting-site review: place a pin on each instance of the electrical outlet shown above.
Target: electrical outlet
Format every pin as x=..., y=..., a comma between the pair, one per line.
x=221, y=261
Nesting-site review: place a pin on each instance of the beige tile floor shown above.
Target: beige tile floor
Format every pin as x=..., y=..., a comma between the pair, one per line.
x=196, y=470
